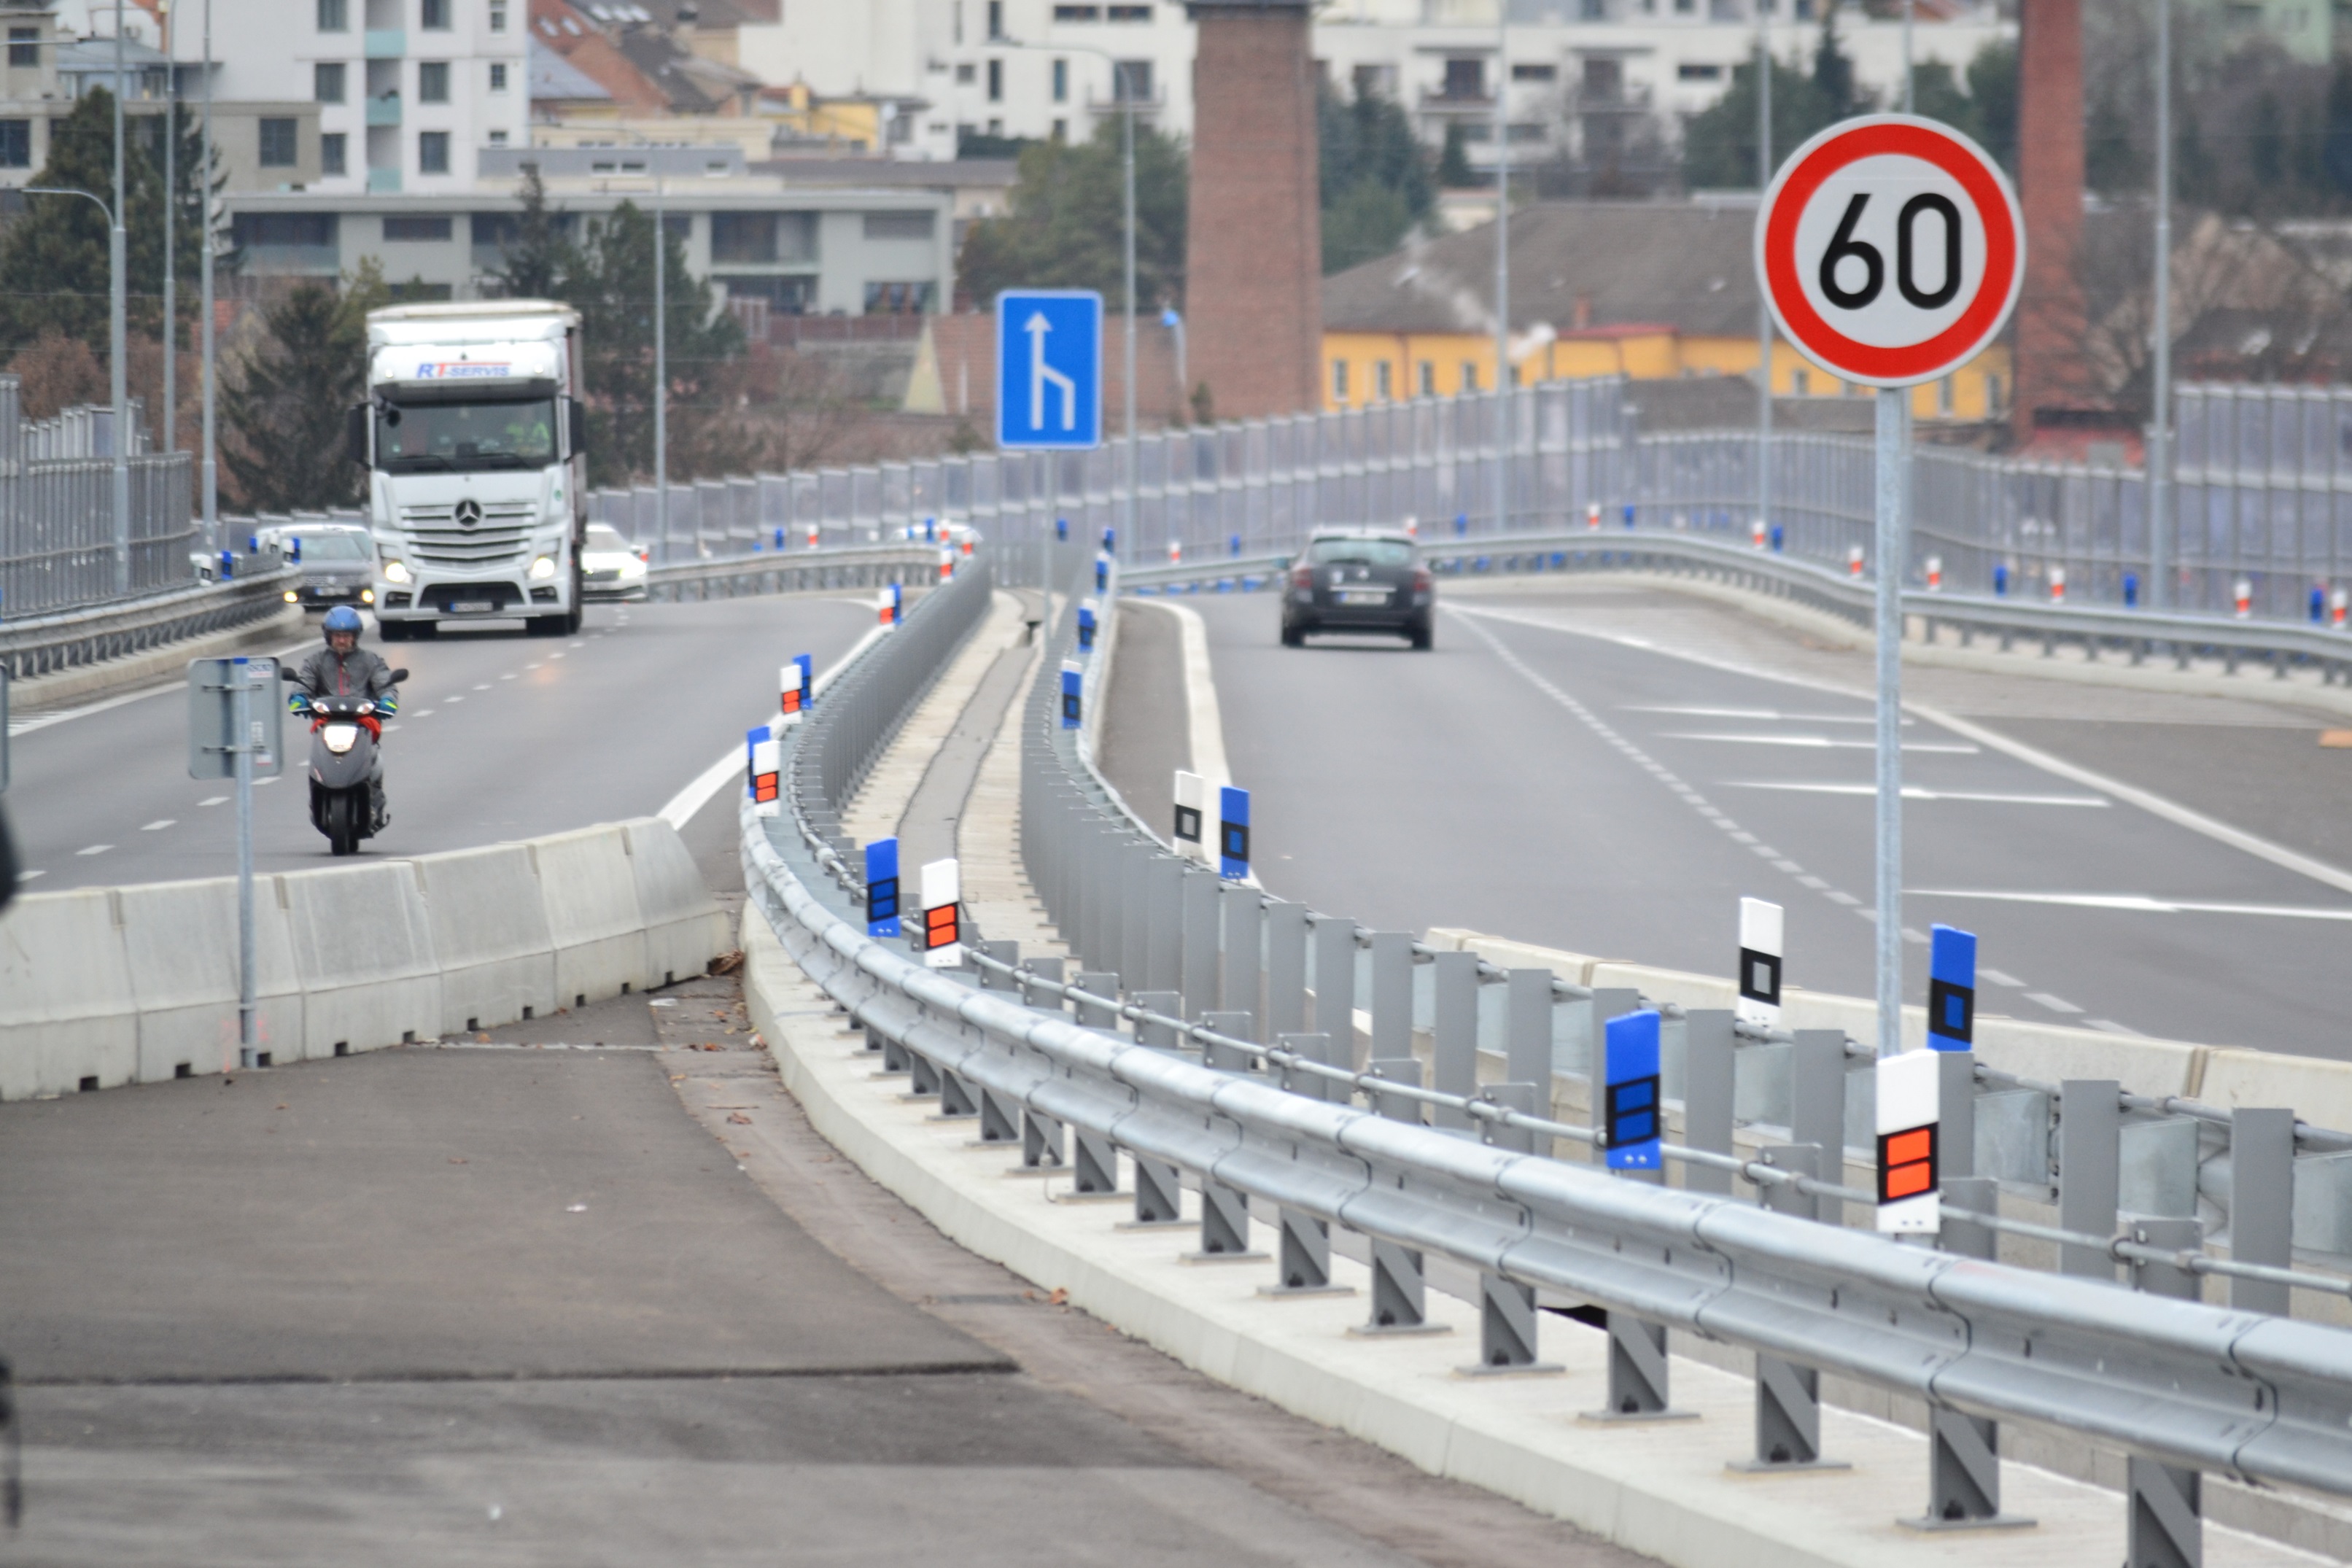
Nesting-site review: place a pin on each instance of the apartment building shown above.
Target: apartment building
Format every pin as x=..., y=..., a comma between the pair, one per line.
x=408, y=94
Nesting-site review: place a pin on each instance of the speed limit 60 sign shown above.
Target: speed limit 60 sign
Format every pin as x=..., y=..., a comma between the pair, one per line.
x=1891, y=249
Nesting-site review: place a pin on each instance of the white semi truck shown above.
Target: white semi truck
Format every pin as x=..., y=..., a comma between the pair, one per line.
x=472, y=437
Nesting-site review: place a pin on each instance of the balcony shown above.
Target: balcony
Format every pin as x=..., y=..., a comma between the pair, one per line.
x=384, y=110
x=1441, y=102
x=1144, y=105
x=384, y=182
x=386, y=42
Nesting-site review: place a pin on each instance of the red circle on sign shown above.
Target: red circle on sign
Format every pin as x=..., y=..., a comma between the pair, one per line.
x=1996, y=210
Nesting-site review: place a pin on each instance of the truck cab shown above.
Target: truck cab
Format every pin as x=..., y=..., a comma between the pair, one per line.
x=477, y=483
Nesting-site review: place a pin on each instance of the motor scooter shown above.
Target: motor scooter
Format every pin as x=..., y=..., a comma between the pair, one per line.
x=344, y=734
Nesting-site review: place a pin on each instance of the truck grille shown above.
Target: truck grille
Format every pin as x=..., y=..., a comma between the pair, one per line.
x=436, y=539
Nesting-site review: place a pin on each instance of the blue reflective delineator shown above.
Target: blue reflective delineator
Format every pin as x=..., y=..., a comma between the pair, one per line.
x=882, y=888
x=1633, y=1119
x=1629, y=514
x=752, y=738
x=1071, y=680
x=1232, y=834
x=1780, y=536
x=1951, y=989
x=296, y=557
x=1110, y=540
x=2001, y=579
x=931, y=529
x=1234, y=546
x=1085, y=629
x=897, y=603
x=2131, y=592
x=808, y=680
x=1461, y=525
x=228, y=564
x=1061, y=528
x=1102, y=573
x=2318, y=604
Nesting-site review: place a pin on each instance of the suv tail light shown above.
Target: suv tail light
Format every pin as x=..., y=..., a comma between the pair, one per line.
x=1422, y=581
x=1302, y=577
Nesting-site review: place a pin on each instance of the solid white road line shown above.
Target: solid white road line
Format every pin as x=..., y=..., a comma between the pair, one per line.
x=1770, y=714
x=2147, y=800
x=1817, y=742
x=1202, y=716
x=2055, y=1004
x=1914, y=792
x=682, y=806
x=2139, y=903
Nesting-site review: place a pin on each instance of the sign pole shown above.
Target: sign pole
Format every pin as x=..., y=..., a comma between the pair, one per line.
x=1892, y=550
x=241, y=751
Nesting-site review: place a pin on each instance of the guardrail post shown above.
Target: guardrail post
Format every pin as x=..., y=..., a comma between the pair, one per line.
x=1392, y=997
x=1708, y=1067
x=1335, y=984
x=1200, y=968
x=1102, y=983
x=1165, y=953
x=1005, y=952
x=1227, y=1058
x=1314, y=1048
x=1964, y=1451
x=2261, y=1205
x=1094, y=1171
x=1527, y=1033
x=1817, y=1111
x=2090, y=1158
x=2167, y=1527
x=1285, y=968
x=923, y=1077
x=1506, y=1309
x=1041, y=971
x=1159, y=1194
x=1224, y=1226
x=1788, y=1396
x=955, y=1101
x=1399, y=1294
x=1168, y=1004
x=1956, y=1092
x=1135, y=912
x=1453, y=1034
x=1243, y=946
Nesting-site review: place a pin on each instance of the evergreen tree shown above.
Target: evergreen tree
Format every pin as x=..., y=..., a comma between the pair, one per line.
x=539, y=254
x=1992, y=88
x=2336, y=147
x=1065, y=224
x=1719, y=142
x=284, y=406
x=1374, y=177
x=1453, y=163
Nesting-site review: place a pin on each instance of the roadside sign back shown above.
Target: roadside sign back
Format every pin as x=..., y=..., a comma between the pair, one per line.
x=1891, y=249
x=211, y=726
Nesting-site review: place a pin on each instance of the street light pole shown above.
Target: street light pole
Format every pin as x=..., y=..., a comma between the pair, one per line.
x=2160, y=570
x=1502, y=266
x=210, y=482
x=116, y=381
x=661, y=356
x=1763, y=305
x=171, y=261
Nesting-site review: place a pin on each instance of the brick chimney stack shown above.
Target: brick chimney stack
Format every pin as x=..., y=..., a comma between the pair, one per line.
x=1254, y=245
x=2053, y=372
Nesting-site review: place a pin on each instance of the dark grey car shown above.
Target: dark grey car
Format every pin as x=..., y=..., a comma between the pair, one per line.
x=1358, y=581
x=338, y=565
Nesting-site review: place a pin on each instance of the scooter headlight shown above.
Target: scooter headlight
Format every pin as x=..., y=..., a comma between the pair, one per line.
x=542, y=569
x=340, y=738
x=396, y=572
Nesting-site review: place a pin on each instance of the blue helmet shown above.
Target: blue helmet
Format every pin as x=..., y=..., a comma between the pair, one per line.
x=343, y=618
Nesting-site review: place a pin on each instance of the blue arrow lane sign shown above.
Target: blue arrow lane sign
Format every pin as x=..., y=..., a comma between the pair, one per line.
x=1049, y=368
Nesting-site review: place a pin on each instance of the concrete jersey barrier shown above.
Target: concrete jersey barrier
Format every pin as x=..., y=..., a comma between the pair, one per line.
x=110, y=985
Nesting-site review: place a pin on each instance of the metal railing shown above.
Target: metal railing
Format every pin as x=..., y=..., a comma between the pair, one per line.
x=46, y=644
x=1219, y=1081
x=58, y=546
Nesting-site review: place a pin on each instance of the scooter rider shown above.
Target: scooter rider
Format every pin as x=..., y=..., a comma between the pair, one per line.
x=343, y=668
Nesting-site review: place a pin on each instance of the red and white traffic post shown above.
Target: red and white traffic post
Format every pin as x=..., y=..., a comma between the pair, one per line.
x=1891, y=249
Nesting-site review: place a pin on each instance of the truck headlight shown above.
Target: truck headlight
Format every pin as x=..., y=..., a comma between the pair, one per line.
x=396, y=572
x=542, y=569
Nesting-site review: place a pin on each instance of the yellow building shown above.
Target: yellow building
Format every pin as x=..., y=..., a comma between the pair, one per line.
x=1650, y=290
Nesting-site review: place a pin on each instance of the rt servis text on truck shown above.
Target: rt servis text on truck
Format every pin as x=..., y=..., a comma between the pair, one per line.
x=472, y=438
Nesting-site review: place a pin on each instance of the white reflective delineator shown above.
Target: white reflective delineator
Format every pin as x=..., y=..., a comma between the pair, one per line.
x=767, y=761
x=942, y=888
x=1910, y=1162
x=1192, y=796
x=1759, y=962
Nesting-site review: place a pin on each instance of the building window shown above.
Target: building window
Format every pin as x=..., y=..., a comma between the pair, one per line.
x=897, y=299
x=1428, y=387
x=1339, y=381
x=1595, y=11
x=416, y=291
x=1944, y=397
x=1061, y=81
x=1535, y=73
x=277, y=143
x=334, y=16
x=1060, y=131
x=1382, y=389
x=743, y=238
x=1469, y=375
x=996, y=81
x=433, y=81
x=966, y=74
x=433, y=16
x=1799, y=382
x=1698, y=73
x=497, y=76
x=996, y=18
x=418, y=229
x=498, y=138
x=1078, y=13
x=327, y=82
x=1129, y=13
x=898, y=225
x=1465, y=79
x=332, y=160
x=432, y=151
x=23, y=48
x=1132, y=81
x=15, y=143
x=309, y=231
x=498, y=18
x=1992, y=396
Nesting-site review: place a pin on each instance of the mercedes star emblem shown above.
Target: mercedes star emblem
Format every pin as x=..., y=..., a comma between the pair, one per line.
x=470, y=513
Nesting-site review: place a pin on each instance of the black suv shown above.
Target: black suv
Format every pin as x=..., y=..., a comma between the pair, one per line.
x=1358, y=581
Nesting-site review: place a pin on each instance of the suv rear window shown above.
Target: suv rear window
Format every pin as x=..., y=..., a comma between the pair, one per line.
x=1361, y=552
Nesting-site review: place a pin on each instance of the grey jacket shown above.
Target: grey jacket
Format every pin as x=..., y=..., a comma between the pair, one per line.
x=359, y=673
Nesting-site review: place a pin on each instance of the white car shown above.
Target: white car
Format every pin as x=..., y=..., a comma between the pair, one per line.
x=611, y=566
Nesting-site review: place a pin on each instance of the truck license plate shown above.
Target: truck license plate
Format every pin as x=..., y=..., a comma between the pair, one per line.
x=470, y=607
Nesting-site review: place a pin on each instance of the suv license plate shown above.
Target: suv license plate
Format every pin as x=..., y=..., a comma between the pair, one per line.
x=470, y=607
x=1364, y=597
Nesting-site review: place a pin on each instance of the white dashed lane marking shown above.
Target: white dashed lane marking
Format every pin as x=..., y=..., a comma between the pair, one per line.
x=94, y=849
x=160, y=823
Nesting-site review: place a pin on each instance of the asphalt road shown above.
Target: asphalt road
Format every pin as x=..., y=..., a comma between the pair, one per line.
x=1581, y=792
x=499, y=736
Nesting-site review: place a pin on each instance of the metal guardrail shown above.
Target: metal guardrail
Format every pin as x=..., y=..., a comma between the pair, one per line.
x=2265, y=1398
x=44, y=645
x=799, y=571
x=2135, y=635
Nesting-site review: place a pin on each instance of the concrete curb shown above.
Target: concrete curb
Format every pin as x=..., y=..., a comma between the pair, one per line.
x=1660, y=1488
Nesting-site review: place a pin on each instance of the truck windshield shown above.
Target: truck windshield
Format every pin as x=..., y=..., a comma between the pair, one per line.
x=456, y=437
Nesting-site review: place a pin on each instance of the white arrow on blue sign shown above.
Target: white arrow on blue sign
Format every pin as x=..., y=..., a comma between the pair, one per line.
x=1049, y=368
